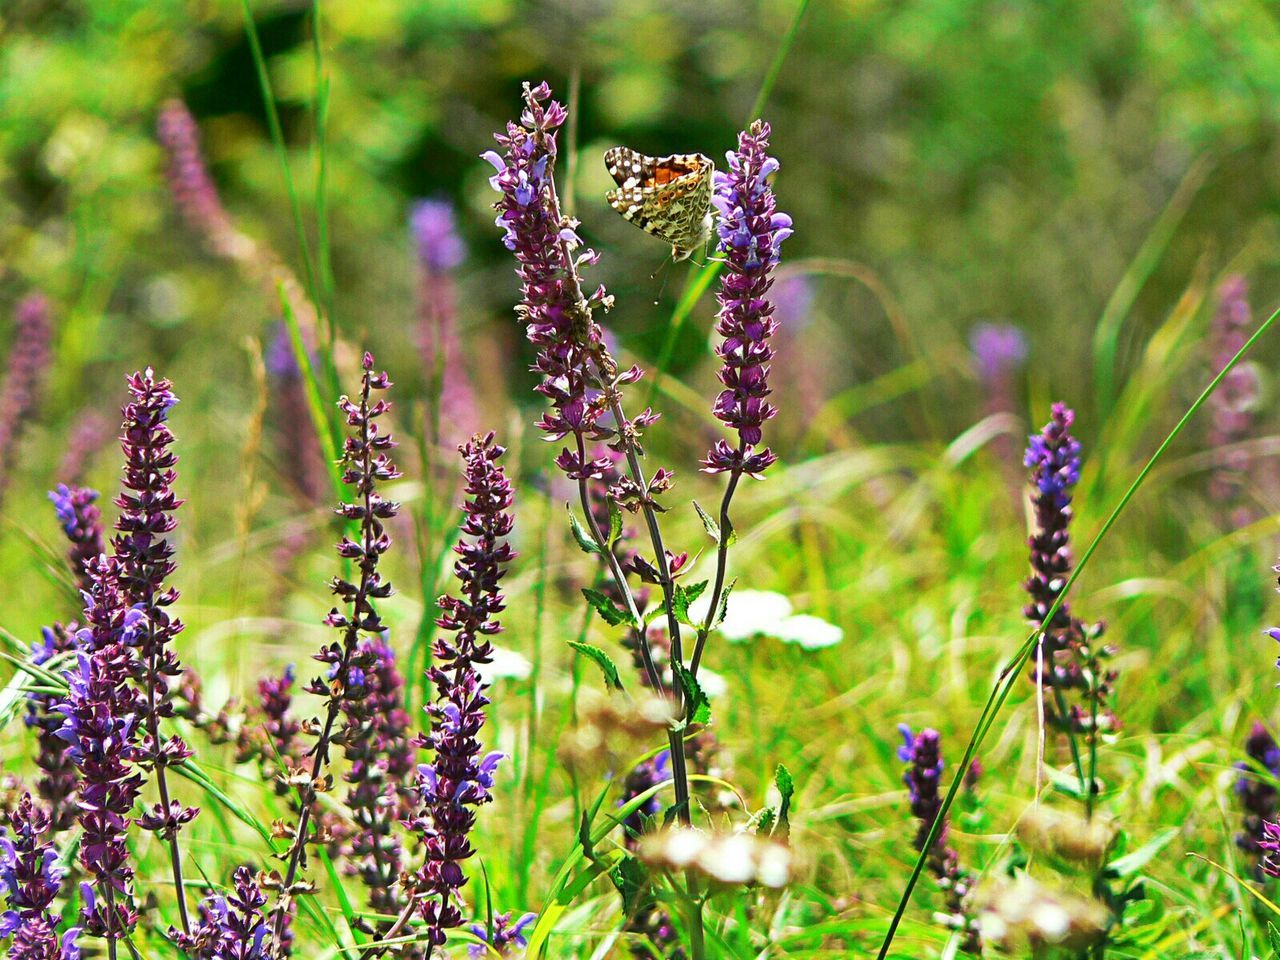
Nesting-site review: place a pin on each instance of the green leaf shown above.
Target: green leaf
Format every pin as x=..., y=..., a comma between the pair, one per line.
x=786, y=789
x=1273, y=937
x=724, y=603
x=615, y=522
x=1131, y=863
x=602, y=660
x=712, y=528
x=697, y=704
x=609, y=612
x=631, y=879
x=585, y=540
x=683, y=597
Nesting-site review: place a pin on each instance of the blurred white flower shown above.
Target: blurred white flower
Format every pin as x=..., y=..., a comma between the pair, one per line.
x=713, y=685
x=749, y=613
x=506, y=665
x=732, y=858
x=810, y=632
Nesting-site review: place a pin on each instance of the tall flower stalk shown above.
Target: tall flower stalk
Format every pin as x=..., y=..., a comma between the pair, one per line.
x=922, y=752
x=104, y=713
x=24, y=378
x=1071, y=660
x=145, y=556
x=458, y=779
x=366, y=465
x=750, y=231
x=1234, y=403
x=81, y=521
x=1258, y=795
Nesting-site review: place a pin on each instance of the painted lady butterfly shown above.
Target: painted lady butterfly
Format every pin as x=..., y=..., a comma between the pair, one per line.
x=669, y=197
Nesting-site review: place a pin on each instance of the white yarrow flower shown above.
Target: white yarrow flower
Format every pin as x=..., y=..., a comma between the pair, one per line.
x=506, y=665
x=809, y=632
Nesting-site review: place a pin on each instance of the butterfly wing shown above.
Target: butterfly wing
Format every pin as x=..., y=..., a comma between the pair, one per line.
x=669, y=197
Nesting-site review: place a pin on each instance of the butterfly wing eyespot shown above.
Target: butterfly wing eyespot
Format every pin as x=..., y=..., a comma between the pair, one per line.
x=669, y=197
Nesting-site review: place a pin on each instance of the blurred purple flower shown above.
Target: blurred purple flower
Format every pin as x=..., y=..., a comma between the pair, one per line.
x=458, y=779
x=57, y=784
x=1258, y=796
x=435, y=235
x=193, y=189
x=1234, y=403
x=300, y=457
x=505, y=939
x=92, y=430
x=999, y=351
x=28, y=366
x=440, y=251
x=751, y=233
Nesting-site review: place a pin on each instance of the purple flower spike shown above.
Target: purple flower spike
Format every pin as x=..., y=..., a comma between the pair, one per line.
x=380, y=753
x=57, y=784
x=506, y=939
x=193, y=189
x=1234, y=404
x=231, y=927
x=458, y=779
x=999, y=351
x=81, y=521
x=751, y=232
x=27, y=368
x=30, y=879
x=145, y=555
x=1258, y=796
x=440, y=251
x=435, y=234
x=104, y=712
x=923, y=754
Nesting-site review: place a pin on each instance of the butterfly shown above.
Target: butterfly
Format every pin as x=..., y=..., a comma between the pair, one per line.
x=669, y=197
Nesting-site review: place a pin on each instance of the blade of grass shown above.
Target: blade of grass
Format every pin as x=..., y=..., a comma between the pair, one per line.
x=1012, y=670
x=1106, y=336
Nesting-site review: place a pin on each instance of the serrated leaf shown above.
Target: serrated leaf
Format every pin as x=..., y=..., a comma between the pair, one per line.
x=669, y=815
x=684, y=597
x=697, y=704
x=630, y=879
x=724, y=603
x=615, y=521
x=609, y=611
x=786, y=789
x=712, y=528
x=1131, y=863
x=602, y=660
x=1273, y=937
x=584, y=538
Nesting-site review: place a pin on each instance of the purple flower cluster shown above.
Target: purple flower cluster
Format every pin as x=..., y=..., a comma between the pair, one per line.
x=504, y=939
x=1258, y=796
x=999, y=351
x=231, y=927
x=104, y=713
x=1234, y=403
x=459, y=779
x=1071, y=656
x=923, y=754
x=57, y=784
x=30, y=879
x=440, y=251
x=366, y=464
x=81, y=521
x=751, y=232
x=558, y=318
x=300, y=455
x=145, y=556
x=378, y=746
x=27, y=368
x=193, y=190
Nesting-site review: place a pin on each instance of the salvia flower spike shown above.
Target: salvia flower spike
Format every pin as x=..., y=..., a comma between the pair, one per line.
x=27, y=368
x=459, y=777
x=750, y=231
x=30, y=879
x=366, y=465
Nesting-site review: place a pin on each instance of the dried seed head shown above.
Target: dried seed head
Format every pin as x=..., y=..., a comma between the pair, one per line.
x=1068, y=837
x=1026, y=918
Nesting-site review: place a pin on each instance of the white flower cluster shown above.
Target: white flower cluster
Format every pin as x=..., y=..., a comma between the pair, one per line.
x=733, y=858
x=763, y=613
